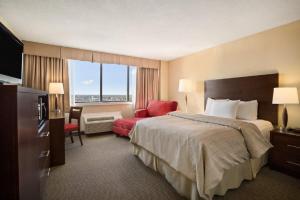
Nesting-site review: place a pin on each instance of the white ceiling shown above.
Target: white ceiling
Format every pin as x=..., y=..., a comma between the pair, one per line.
x=160, y=29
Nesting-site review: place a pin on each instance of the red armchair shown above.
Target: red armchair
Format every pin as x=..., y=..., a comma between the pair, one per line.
x=155, y=108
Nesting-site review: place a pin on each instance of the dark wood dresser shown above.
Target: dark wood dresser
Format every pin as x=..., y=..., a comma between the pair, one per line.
x=24, y=143
x=285, y=155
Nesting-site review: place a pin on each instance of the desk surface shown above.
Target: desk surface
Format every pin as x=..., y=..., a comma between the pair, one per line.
x=54, y=115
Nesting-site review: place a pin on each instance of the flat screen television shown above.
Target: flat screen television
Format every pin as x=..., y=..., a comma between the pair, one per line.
x=11, y=57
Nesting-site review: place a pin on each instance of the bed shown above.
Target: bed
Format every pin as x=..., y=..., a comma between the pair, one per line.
x=202, y=156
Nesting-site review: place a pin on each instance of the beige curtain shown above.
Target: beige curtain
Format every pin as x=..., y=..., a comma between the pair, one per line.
x=146, y=86
x=39, y=71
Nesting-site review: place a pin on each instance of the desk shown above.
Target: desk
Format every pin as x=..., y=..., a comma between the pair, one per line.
x=57, y=138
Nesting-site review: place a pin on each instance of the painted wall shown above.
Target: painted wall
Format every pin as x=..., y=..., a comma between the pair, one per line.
x=275, y=50
x=163, y=86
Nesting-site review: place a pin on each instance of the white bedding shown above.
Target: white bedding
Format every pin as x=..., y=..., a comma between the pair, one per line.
x=200, y=147
x=264, y=126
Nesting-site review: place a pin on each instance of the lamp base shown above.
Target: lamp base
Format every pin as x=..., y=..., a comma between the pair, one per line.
x=284, y=118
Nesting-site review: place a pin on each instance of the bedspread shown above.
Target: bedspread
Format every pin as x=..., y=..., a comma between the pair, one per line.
x=200, y=147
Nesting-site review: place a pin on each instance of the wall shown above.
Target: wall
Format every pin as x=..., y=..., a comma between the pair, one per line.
x=163, y=86
x=275, y=50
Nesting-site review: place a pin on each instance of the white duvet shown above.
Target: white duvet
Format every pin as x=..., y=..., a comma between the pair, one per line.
x=200, y=147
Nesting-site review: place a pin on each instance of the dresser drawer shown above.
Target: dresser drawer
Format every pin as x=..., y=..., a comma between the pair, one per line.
x=44, y=150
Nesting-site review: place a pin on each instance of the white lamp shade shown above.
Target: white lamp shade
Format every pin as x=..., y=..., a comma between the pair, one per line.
x=185, y=85
x=56, y=88
x=285, y=95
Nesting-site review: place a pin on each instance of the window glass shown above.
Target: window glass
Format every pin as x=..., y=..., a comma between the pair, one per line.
x=132, y=83
x=84, y=81
x=87, y=80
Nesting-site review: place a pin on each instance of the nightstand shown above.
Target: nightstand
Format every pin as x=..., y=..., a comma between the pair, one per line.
x=285, y=155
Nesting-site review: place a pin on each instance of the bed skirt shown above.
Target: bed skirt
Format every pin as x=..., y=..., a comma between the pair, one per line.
x=184, y=186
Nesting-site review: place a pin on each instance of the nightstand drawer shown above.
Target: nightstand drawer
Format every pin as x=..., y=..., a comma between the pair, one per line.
x=293, y=167
x=285, y=155
x=284, y=139
x=289, y=151
x=293, y=151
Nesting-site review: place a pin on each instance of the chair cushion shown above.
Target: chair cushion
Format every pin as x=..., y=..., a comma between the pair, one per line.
x=70, y=127
x=126, y=123
x=141, y=113
x=120, y=131
x=158, y=108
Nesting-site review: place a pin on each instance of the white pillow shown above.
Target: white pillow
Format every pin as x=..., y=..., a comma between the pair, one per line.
x=247, y=110
x=227, y=109
x=209, y=104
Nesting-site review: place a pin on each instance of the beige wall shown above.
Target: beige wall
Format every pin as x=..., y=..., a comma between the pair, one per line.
x=275, y=50
x=163, y=89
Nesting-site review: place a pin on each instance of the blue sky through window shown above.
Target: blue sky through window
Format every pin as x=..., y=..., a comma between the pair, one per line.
x=85, y=78
x=114, y=79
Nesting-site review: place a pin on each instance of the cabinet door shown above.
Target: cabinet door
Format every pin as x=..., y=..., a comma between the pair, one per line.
x=8, y=145
x=29, y=185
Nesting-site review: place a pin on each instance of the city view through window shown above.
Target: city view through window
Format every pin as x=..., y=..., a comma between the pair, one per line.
x=116, y=83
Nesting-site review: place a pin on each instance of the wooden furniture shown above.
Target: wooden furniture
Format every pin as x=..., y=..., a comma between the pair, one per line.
x=57, y=138
x=24, y=147
x=248, y=88
x=75, y=113
x=285, y=155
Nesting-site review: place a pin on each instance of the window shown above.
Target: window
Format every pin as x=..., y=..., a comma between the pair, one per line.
x=95, y=82
x=114, y=82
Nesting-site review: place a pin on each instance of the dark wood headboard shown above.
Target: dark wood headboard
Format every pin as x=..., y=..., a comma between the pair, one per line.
x=247, y=88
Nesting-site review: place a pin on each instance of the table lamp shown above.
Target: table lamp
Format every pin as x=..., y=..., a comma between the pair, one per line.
x=285, y=95
x=56, y=88
x=185, y=86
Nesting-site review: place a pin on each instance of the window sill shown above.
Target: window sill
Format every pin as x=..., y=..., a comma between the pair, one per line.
x=103, y=104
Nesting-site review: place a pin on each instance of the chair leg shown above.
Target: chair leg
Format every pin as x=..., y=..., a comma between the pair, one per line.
x=71, y=136
x=79, y=134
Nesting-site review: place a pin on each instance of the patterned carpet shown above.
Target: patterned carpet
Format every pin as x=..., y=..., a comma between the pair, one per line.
x=105, y=169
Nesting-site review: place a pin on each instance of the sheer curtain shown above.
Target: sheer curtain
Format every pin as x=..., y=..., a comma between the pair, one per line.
x=147, y=85
x=39, y=71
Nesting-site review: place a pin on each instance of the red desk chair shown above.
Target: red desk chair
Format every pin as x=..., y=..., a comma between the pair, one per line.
x=75, y=113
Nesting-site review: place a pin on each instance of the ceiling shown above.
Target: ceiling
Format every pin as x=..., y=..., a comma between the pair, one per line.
x=159, y=29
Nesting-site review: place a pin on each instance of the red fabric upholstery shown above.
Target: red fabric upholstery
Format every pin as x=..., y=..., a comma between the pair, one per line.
x=141, y=113
x=70, y=127
x=158, y=108
x=120, y=131
x=124, y=126
x=126, y=123
x=155, y=108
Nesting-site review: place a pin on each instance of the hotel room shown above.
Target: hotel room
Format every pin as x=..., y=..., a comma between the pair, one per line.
x=149, y=99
